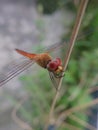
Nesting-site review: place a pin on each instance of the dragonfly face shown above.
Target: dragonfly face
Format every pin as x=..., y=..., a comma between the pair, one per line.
x=56, y=67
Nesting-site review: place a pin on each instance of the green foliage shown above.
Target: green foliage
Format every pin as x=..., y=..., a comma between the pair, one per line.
x=40, y=97
x=48, y=6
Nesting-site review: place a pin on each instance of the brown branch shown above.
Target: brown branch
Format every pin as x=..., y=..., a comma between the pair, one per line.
x=21, y=123
x=94, y=89
x=71, y=127
x=66, y=113
x=83, y=123
x=79, y=17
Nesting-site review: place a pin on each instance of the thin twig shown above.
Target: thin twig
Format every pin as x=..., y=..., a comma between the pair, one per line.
x=21, y=123
x=82, y=123
x=66, y=113
x=92, y=90
x=80, y=14
x=70, y=127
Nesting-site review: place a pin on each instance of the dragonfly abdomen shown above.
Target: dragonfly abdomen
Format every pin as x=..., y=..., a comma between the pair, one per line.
x=26, y=54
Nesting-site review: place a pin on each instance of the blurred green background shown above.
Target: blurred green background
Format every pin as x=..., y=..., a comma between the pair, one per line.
x=80, y=83
x=81, y=78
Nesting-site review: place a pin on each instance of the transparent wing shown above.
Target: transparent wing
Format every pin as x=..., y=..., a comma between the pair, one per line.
x=55, y=46
x=13, y=69
x=54, y=80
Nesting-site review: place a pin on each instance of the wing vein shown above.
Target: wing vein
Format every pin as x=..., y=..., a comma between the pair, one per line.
x=12, y=74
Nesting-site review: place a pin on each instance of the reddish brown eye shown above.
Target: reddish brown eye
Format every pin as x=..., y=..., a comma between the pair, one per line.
x=52, y=65
x=58, y=61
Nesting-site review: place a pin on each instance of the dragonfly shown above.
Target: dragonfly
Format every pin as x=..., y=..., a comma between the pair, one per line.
x=44, y=60
x=54, y=66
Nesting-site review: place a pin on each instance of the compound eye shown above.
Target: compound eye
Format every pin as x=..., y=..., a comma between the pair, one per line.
x=58, y=61
x=52, y=65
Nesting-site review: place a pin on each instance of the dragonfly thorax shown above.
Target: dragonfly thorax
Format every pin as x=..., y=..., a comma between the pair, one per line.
x=42, y=59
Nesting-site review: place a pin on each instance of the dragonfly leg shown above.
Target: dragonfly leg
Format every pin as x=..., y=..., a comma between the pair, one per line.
x=60, y=76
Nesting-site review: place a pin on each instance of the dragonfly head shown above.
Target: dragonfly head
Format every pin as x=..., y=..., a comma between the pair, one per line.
x=55, y=65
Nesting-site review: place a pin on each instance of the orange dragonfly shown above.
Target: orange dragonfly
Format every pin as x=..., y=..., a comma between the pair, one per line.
x=54, y=66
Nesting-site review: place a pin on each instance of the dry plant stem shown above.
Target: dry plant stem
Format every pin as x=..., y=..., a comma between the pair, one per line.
x=82, y=123
x=74, y=109
x=80, y=14
x=21, y=123
x=91, y=90
x=71, y=127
